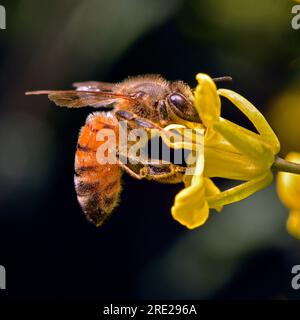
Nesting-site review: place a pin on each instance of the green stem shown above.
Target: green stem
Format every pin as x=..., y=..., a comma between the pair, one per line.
x=286, y=166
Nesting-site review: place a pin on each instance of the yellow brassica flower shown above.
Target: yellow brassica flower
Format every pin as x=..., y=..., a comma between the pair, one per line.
x=288, y=187
x=230, y=151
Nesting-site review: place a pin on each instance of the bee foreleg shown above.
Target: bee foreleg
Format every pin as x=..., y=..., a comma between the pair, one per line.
x=138, y=121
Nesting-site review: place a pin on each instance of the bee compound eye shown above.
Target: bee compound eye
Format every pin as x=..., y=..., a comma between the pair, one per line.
x=183, y=108
x=178, y=101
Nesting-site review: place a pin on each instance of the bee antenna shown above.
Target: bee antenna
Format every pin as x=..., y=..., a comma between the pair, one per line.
x=221, y=79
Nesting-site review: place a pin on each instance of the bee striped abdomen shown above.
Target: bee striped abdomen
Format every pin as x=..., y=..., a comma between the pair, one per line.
x=97, y=185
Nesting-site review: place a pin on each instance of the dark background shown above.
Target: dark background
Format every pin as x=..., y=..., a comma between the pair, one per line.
x=46, y=245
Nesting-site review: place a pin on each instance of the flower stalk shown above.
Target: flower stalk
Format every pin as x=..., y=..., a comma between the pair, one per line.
x=286, y=166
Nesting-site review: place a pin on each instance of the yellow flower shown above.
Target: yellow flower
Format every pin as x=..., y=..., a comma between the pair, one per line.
x=230, y=151
x=288, y=187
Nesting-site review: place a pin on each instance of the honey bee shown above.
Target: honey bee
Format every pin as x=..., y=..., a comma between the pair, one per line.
x=150, y=102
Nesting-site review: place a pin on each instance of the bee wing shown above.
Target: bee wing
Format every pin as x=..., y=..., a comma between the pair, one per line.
x=78, y=99
x=94, y=86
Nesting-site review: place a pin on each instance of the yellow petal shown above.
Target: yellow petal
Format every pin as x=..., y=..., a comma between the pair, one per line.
x=293, y=223
x=229, y=165
x=254, y=116
x=223, y=160
x=241, y=191
x=211, y=190
x=249, y=144
x=190, y=207
x=288, y=185
x=207, y=101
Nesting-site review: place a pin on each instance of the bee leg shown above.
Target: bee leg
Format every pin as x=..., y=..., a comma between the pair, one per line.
x=172, y=174
x=164, y=173
x=160, y=171
x=130, y=171
x=157, y=170
x=132, y=117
